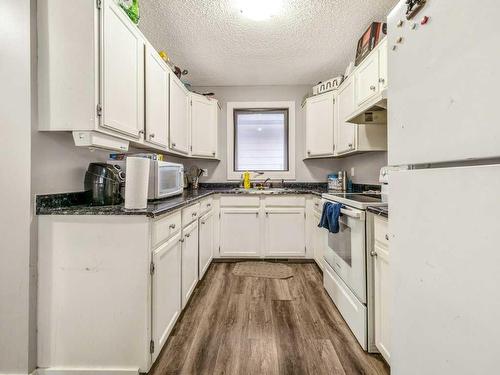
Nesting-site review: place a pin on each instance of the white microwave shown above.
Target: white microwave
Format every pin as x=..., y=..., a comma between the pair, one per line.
x=165, y=179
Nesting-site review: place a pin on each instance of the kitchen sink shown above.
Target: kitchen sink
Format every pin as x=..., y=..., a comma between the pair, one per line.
x=261, y=191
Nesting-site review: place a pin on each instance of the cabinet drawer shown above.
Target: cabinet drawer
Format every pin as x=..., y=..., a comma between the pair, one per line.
x=190, y=213
x=239, y=201
x=165, y=228
x=381, y=230
x=287, y=201
x=206, y=205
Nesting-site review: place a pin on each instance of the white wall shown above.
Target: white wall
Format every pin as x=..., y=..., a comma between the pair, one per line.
x=366, y=166
x=15, y=213
x=310, y=170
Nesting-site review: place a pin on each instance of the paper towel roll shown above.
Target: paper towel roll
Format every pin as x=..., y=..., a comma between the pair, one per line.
x=136, y=183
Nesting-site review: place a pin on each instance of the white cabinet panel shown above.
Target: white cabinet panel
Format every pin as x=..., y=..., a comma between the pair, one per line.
x=320, y=125
x=206, y=247
x=157, y=82
x=122, y=73
x=189, y=261
x=319, y=241
x=203, y=126
x=345, y=140
x=240, y=232
x=166, y=291
x=366, y=78
x=382, y=291
x=285, y=232
x=179, y=120
x=382, y=60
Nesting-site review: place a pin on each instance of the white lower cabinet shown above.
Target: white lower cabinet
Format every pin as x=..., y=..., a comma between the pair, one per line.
x=285, y=232
x=166, y=291
x=206, y=246
x=240, y=232
x=382, y=288
x=319, y=240
x=189, y=260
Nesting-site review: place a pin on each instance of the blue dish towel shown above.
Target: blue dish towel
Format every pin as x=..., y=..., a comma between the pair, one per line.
x=330, y=217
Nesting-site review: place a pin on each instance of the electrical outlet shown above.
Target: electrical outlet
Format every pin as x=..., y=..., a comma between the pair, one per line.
x=352, y=172
x=205, y=172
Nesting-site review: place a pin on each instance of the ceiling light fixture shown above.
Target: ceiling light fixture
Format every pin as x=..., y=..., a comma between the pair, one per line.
x=259, y=10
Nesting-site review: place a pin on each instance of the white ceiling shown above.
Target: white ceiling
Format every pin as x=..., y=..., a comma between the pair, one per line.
x=309, y=41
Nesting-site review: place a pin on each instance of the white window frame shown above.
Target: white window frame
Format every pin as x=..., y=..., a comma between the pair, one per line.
x=273, y=175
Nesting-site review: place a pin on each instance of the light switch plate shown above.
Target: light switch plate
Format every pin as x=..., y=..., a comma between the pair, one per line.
x=352, y=172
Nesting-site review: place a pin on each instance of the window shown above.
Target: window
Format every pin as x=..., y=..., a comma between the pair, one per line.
x=260, y=140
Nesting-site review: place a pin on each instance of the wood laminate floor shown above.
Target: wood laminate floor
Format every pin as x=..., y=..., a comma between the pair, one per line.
x=244, y=325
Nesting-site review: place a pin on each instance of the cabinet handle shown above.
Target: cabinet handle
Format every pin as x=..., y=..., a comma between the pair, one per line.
x=373, y=253
x=381, y=80
x=181, y=240
x=188, y=235
x=209, y=205
x=350, y=146
x=152, y=135
x=387, y=237
x=141, y=131
x=308, y=152
x=372, y=88
x=257, y=214
x=172, y=226
x=173, y=144
x=203, y=222
x=194, y=214
x=213, y=153
x=267, y=214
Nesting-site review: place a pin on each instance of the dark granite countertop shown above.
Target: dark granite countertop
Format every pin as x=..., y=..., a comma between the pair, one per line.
x=379, y=210
x=74, y=203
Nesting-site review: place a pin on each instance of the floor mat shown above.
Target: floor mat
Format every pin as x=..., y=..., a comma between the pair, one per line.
x=263, y=269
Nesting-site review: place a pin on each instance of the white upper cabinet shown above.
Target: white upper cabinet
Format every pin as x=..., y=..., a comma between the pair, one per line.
x=203, y=126
x=166, y=291
x=345, y=139
x=122, y=71
x=320, y=125
x=285, y=232
x=367, y=79
x=157, y=98
x=179, y=116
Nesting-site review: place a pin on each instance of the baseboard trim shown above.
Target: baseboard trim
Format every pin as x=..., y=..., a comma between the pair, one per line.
x=85, y=371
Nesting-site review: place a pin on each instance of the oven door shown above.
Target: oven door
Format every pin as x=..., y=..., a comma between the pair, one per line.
x=345, y=252
x=169, y=179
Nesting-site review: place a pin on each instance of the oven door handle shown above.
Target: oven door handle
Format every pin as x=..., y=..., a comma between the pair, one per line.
x=352, y=213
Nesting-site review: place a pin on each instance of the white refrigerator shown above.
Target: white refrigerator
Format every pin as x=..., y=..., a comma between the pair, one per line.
x=444, y=122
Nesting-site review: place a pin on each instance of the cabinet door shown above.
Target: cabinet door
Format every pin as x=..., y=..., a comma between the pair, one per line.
x=122, y=67
x=366, y=78
x=240, y=233
x=320, y=125
x=179, y=124
x=203, y=126
x=382, y=60
x=319, y=241
x=285, y=232
x=206, y=242
x=345, y=140
x=157, y=82
x=166, y=290
x=189, y=261
x=382, y=295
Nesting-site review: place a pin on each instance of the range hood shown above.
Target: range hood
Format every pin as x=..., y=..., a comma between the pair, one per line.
x=373, y=111
x=96, y=140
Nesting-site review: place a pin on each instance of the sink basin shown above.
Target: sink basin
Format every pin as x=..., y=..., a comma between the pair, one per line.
x=260, y=191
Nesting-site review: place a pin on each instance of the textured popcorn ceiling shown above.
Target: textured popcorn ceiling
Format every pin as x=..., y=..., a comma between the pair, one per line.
x=309, y=41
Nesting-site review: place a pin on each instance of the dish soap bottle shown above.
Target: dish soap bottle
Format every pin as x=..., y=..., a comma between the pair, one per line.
x=246, y=180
